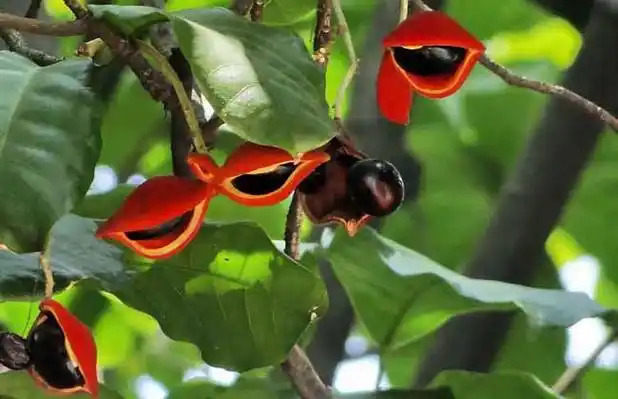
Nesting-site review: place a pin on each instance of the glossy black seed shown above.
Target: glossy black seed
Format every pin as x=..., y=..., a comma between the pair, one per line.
x=429, y=61
x=49, y=356
x=161, y=229
x=13, y=352
x=264, y=183
x=375, y=187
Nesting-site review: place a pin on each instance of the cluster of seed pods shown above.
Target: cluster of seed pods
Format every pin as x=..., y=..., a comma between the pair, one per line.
x=58, y=352
x=429, y=54
x=165, y=213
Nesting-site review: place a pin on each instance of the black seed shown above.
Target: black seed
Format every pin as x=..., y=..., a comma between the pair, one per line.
x=264, y=183
x=49, y=356
x=13, y=352
x=161, y=229
x=429, y=61
x=375, y=186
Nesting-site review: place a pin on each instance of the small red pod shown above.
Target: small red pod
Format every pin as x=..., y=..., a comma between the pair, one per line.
x=428, y=53
x=160, y=217
x=63, y=354
x=257, y=175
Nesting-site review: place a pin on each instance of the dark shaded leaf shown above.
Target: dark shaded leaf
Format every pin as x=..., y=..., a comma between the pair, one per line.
x=49, y=144
x=465, y=385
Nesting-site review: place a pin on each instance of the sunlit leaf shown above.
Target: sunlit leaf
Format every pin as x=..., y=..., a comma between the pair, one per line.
x=401, y=296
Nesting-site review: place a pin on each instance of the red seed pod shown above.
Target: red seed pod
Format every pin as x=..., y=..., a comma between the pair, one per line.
x=63, y=354
x=160, y=217
x=257, y=175
x=428, y=53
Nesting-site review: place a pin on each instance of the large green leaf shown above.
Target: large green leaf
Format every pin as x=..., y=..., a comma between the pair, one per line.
x=401, y=296
x=19, y=385
x=286, y=12
x=230, y=292
x=465, y=385
x=49, y=144
x=260, y=80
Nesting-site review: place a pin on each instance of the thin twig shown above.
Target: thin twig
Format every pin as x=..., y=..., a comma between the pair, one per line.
x=90, y=48
x=49, y=275
x=542, y=87
x=33, y=10
x=35, y=26
x=297, y=366
x=323, y=31
x=304, y=377
x=185, y=103
x=403, y=10
x=349, y=45
x=571, y=374
x=256, y=10
x=552, y=89
x=16, y=43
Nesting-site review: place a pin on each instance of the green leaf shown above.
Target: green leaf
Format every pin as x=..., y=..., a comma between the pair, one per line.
x=19, y=385
x=600, y=383
x=287, y=12
x=230, y=292
x=438, y=393
x=467, y=385
x=401, y=296
x=243, y=388
x=260, y=80
x=49, y=144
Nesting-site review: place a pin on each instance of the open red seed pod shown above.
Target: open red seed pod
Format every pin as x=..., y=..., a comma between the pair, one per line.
x=257, y=175
x=63, y=354
x=428, y=53
x=160, y=217
x=350, y=188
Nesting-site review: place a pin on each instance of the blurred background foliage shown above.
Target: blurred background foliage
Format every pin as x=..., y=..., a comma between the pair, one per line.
x=466, y=146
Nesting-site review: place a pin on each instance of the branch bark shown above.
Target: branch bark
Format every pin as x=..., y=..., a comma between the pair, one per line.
x=32, y=25
x=532, y=200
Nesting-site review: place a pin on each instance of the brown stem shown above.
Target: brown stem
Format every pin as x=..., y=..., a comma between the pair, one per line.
x=323, y=31
x=256, y=10
x=542, y=87
x=16, y=43
x=571, y=374
x=31, y=25
x=297, y=366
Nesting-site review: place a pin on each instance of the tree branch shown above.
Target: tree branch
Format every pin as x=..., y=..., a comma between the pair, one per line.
x=533, y=198
x=256, y=10
x=35, y=26
x=323, y=31
x=571, y=374
x=16, y=43
x=542, y=87
x=297, y=366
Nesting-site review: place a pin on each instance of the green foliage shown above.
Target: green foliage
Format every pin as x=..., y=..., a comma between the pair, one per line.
x=230, y=292
x=18, y=385
x=466, y=385
x=260, y=80
x=400, y=295
x=46, y=158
